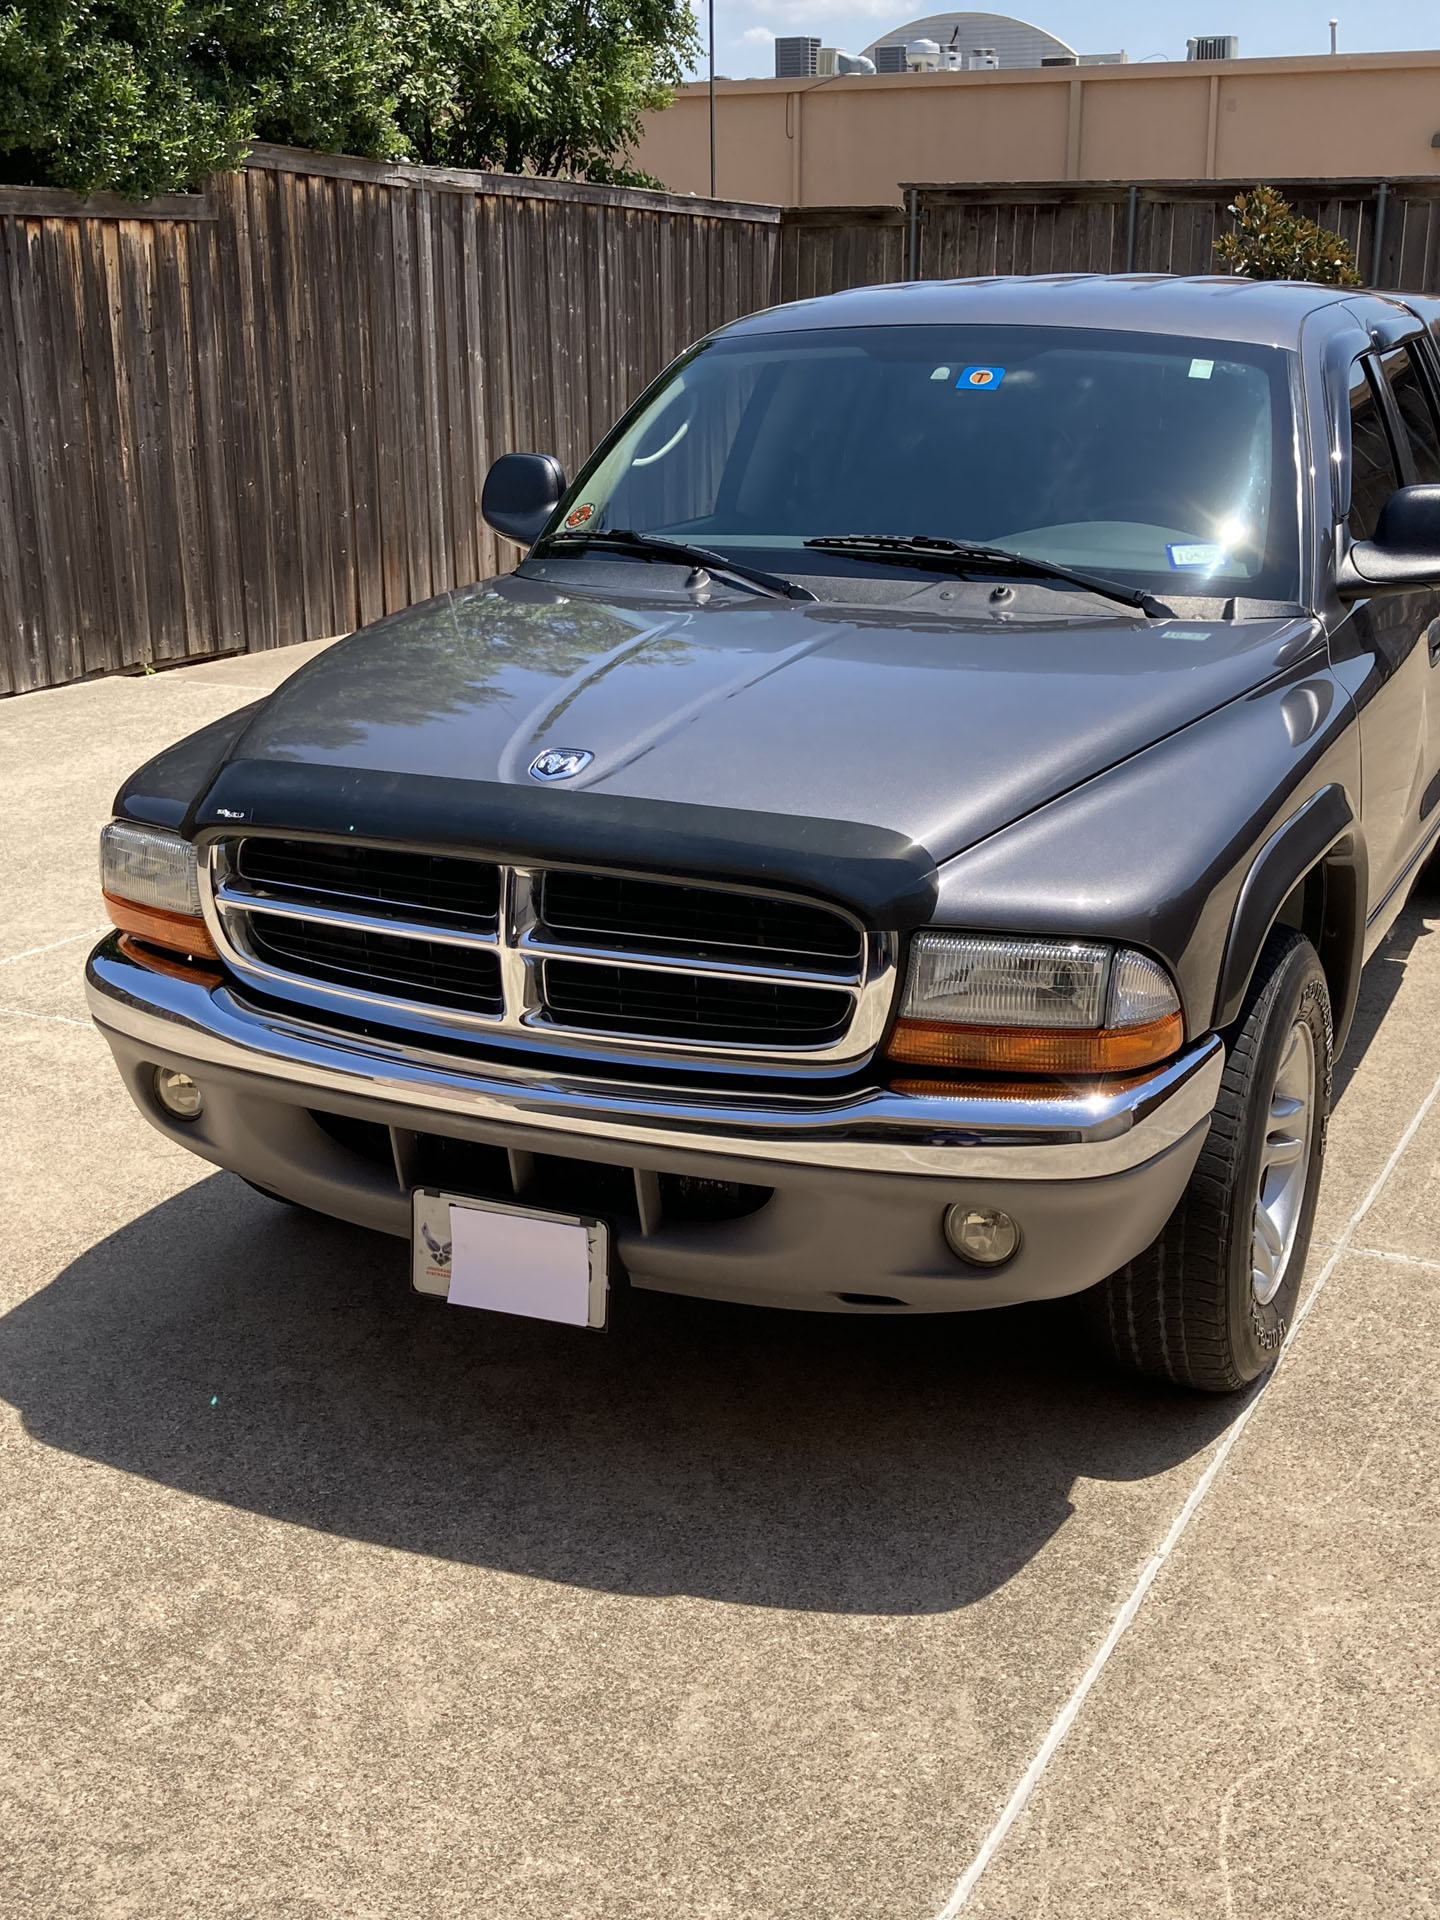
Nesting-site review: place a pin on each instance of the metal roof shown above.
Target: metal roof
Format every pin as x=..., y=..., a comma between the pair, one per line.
x=1215, y=307
x=1016, y=42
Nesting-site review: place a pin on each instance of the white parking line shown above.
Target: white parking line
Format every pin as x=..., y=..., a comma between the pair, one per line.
x=1067, y=1715
x=25, y=1013
x=90, y=933
x=1400, y=1259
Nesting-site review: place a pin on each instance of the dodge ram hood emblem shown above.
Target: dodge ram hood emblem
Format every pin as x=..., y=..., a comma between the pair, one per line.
x=560, y=763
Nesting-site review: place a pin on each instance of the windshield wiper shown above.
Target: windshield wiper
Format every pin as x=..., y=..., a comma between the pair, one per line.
x=925, y=547
x=650, y=546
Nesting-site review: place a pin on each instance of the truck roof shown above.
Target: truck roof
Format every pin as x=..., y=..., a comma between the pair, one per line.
x=1212, y=307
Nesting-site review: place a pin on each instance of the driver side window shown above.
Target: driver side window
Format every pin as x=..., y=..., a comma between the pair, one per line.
x=1410, y=390
x=1373, y=475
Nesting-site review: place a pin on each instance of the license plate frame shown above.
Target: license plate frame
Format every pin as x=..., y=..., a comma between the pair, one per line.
x=433, y=1232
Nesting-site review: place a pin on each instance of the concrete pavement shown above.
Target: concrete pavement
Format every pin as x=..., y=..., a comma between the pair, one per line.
x=318, y=1599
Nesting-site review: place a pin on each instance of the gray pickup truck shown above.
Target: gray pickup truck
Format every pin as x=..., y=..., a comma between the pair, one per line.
x=905, y=838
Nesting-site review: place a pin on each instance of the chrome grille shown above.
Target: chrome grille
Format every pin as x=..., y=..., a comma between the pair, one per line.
x=696, y=923
x=438, y=972
x=571, y=959
x=429, y=885
x=632, y=1000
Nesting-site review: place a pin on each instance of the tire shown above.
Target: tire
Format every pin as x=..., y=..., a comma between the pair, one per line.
x=1208, y=1304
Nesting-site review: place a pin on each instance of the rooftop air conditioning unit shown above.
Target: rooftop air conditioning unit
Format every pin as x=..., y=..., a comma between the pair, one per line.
x=891, y=57
x=796, y=57
x=1213, y=46
x=1059, y=59
x=983, y=57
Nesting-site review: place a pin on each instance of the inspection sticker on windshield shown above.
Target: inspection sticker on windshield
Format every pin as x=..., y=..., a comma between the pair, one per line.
x=1201, y=369
x=980, y=377
x=1198, y=553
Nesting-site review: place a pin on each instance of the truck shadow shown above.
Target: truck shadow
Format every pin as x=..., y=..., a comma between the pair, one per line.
x=1385, y=975
x=277, y=1362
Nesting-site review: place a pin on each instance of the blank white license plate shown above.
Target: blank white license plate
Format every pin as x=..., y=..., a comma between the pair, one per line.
x=479, y=1253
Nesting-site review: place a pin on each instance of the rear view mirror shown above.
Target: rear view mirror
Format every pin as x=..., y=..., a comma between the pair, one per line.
x=1405, y=550
x=521, y=492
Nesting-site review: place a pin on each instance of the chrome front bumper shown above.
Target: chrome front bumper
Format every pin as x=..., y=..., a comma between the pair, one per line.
x=857, y=1183
x=1070, y=1137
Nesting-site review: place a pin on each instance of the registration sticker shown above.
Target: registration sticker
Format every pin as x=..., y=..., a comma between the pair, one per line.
x=1197, y=553
x=980, y=378
x=579, y=516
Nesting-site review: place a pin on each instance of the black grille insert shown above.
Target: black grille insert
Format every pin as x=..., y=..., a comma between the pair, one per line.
x=696, y=923
x=564, y=1185
x=434, y=972
x=687, y=1200
x=692, y=1006
x=430, y=886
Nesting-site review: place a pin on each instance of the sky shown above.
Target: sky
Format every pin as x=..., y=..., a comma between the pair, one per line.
x=1145, y=29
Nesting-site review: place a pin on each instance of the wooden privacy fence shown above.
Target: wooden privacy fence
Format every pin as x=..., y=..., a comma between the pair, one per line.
x=264, y=414
x=1165, y=226
x=1160, y=226
x=824, y=249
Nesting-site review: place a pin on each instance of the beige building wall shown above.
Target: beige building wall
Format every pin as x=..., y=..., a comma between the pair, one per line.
x=852, y=141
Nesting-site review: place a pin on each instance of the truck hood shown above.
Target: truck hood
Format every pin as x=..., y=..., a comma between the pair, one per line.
x=939, y=729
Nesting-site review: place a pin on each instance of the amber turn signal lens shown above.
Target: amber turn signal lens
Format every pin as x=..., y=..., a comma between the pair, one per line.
x=935, y=1043
x=1034, y=1087
x=184, y=932
x=169, y=964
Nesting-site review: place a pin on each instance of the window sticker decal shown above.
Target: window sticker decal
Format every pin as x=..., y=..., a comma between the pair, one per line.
x=1201, y=369
x=579, y=516
x=981, y=378
x=1197, y=553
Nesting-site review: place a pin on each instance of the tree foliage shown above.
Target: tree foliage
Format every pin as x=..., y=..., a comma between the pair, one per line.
x=1270, y=242
x=147, y=96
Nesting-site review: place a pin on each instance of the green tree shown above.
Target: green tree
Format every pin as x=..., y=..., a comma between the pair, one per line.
x=145, y=96
x=1270, y=242
x=122, y=96
x=541, y=88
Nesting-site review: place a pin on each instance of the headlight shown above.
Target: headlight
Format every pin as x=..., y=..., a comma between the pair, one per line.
x=1034, y=1006
x=152, y=887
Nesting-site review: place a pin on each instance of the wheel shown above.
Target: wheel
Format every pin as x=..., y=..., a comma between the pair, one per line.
x=1208, y=1304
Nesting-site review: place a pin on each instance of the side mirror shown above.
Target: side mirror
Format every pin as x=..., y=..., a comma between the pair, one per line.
x=1405, y=551
x=521, y=492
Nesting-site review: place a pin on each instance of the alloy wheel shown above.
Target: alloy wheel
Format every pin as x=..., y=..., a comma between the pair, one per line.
x=1284, y=1164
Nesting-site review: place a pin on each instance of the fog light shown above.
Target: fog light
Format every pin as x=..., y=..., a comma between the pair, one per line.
x=984, y=1236
x=179, y=1095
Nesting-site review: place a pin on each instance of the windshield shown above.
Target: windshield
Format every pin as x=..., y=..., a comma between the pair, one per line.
x=1161, y=462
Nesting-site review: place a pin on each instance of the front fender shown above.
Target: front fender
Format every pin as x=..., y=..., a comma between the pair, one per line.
x=1323, y=829
x=1155, y=851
